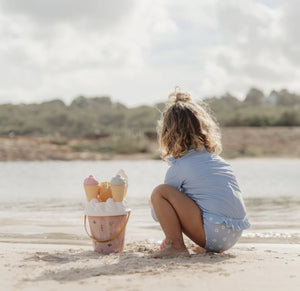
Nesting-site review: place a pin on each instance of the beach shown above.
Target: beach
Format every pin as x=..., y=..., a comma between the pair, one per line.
x=43, y=244
x=93, y=92
x=51, y=257
x=68, y=267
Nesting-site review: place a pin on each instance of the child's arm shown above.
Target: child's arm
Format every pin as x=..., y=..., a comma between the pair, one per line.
x=174, y=177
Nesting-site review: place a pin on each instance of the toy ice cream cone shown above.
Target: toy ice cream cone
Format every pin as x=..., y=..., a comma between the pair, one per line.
x=125, y=178
x=91, y=186
x=118, y=188
x=104, y=192
x=118, y=193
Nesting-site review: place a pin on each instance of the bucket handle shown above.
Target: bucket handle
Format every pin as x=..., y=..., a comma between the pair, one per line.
x=107, y=240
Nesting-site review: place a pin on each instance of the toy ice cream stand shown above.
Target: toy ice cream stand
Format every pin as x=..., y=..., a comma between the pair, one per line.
x=107, y=212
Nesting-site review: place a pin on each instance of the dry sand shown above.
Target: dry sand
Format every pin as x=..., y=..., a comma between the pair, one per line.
x=237, y=142
x=67, y=267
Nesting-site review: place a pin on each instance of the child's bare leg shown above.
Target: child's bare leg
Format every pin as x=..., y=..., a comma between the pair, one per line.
x=177, y=213
x=170, y=224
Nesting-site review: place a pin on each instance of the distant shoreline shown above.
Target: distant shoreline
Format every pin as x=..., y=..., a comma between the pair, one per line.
x=237, y=142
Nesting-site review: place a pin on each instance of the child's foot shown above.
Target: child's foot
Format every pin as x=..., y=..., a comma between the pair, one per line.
x=199, y=250
x=170, y=252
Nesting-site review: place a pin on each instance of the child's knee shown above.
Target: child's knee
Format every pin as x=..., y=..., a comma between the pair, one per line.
x=157, y=193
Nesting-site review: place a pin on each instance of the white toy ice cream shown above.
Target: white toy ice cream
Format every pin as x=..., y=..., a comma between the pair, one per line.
x=118, y=188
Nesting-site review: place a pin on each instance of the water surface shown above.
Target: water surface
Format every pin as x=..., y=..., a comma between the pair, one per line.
x=37, y=195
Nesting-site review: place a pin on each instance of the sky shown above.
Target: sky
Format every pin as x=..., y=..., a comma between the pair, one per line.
x=137, y=51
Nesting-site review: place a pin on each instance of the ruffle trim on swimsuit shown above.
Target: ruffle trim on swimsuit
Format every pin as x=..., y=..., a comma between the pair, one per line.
x=236, y=224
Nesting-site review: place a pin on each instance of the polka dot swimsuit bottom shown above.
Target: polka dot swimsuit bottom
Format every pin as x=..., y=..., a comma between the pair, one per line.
x=219, y=237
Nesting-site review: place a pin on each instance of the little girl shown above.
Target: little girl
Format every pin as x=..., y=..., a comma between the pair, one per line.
x=200, y=196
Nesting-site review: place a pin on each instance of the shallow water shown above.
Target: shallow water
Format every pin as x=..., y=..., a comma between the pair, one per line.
x=45, y=200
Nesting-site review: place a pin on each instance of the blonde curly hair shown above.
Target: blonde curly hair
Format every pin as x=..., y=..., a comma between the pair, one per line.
x=185, y=124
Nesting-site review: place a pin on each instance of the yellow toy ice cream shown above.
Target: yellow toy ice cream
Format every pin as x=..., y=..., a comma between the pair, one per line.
x=104, y=192
x=91, y=186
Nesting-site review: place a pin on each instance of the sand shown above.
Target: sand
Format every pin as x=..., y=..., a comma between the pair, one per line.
x=237, y=142
x=69, y=267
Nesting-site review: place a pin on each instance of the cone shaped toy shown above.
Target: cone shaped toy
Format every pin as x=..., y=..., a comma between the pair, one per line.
x=118, y=193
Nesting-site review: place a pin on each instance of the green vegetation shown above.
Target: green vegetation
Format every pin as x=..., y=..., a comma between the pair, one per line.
x=278, y=109
x=90, y=117
x=99, y=117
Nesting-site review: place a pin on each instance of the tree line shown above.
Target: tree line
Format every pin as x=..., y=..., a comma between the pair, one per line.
x=100, y=116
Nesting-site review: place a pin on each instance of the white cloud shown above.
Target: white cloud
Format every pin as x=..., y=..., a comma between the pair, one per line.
x=100, y=14
x=251, y=52
x=136, y=51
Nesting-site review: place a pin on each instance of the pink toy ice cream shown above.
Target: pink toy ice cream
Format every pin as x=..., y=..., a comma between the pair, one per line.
x=91, y=186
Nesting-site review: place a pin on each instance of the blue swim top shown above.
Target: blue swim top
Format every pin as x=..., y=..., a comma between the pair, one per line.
x=209, y=180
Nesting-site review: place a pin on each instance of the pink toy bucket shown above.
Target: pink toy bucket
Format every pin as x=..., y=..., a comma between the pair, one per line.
x=107, y=232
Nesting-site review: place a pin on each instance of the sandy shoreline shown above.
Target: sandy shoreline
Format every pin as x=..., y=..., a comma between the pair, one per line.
x=237, y=142
x=42, y=256
x=65, y=267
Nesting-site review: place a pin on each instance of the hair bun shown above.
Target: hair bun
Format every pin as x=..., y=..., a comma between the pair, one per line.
x=177, y=96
